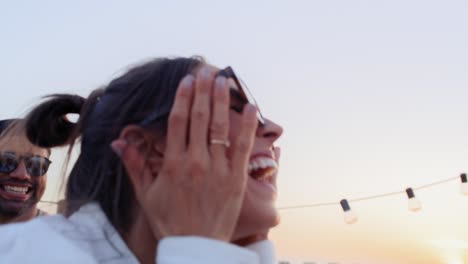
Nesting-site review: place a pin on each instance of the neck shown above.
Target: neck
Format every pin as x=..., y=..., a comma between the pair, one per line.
x=141, y=242
x=28, y=215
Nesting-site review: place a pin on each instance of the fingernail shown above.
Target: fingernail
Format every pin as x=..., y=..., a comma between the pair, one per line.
x=205, y=72
x=187, y=82
x=118, y=146
x=250, y=109
x=220, y=82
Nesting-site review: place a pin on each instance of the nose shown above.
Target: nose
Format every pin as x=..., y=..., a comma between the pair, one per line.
x=270, y=131
x=20, y=173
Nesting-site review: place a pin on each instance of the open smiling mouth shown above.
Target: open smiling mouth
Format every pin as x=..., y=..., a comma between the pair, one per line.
x=263, y=169
x=15, y=189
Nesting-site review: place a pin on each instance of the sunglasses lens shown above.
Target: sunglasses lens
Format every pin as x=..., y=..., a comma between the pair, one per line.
x=8, y=162
x=37, y=166
x=252, y=101
x=243, y=90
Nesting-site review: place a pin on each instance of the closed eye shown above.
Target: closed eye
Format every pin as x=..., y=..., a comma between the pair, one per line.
x=237, y=101
x=236, y=108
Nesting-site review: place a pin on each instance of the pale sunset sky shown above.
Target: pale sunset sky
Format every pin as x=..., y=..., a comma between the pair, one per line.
x=373, y=97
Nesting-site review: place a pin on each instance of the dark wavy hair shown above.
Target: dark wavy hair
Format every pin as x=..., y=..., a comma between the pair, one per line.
x=4, y=124
x=13, y=126
x=98, y=174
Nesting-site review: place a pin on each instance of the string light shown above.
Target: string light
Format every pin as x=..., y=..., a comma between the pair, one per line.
x=350, y=217
x=413, y=203
x=464, y=184
x=382, y=195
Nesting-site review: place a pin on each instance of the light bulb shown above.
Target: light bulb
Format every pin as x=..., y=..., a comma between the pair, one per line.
x=350, y=217
x=464, y=184
x=413, y=203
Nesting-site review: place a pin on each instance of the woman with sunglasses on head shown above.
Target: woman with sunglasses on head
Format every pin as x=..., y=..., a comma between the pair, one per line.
x=177, y=165
x=23, y=174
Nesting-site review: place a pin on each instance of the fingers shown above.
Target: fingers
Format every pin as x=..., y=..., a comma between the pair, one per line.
x=179, y=118
x=200, y=115
x=219, y=126
x=190, y=179
x=244, y=141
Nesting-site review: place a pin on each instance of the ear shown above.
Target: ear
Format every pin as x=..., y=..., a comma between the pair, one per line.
x=134, y=146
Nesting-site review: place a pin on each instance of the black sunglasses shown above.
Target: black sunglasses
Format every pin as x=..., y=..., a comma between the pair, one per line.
x=240, y=90
x=35, y=165
x=243, y=90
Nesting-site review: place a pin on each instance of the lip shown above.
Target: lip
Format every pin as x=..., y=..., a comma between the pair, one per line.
x=266, y=154
x=16, y=196
x=268, y=189
x=16, y=184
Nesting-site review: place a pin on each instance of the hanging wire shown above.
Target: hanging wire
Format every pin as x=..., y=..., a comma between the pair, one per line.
x=49, y=202
x=370, y=197
x=359, y=199
x=429, y=185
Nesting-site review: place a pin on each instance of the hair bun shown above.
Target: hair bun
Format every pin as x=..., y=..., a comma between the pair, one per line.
x=47, y=126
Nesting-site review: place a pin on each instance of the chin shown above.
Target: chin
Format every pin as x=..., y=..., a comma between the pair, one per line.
x=256, y=219
x=13, y=209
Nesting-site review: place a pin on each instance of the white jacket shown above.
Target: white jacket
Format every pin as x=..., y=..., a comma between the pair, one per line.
x=88, y=237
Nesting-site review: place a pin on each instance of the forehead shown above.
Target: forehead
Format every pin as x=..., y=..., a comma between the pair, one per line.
x=21, y=145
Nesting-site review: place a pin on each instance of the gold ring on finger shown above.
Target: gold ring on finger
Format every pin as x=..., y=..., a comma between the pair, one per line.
x=226, y=143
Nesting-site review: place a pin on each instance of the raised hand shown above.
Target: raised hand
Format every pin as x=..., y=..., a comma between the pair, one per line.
x=200, y=186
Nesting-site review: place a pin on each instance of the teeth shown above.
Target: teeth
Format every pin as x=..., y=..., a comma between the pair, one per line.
x=263, y=163
x=271, y=163
x=253, y=166
x=16, y=189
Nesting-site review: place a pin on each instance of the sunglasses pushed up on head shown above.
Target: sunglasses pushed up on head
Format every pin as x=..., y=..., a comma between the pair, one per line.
x=238, y=89
x=36, y=166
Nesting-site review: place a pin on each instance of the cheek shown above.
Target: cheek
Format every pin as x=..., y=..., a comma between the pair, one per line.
x=258, y=213
x=41, y=186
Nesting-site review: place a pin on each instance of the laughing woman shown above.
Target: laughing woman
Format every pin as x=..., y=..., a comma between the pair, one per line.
x=177, y=165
